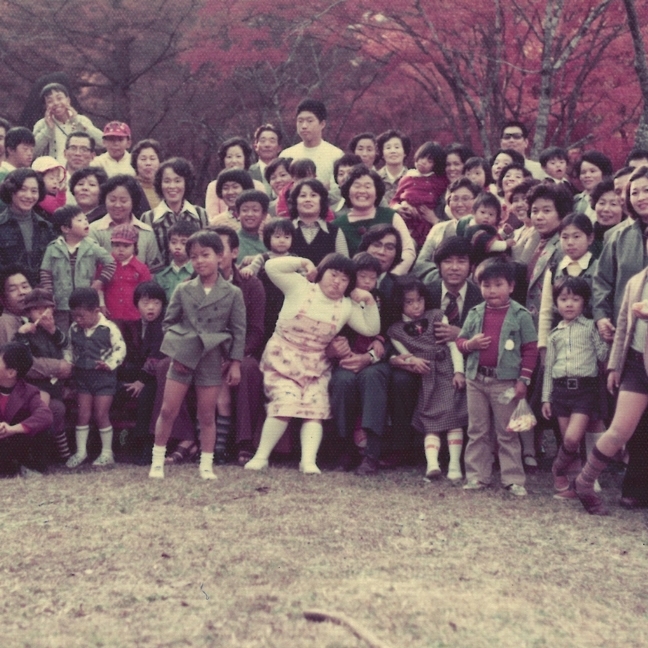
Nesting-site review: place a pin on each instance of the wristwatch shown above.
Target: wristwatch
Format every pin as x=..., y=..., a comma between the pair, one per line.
x=373, y=356
x=526, y=381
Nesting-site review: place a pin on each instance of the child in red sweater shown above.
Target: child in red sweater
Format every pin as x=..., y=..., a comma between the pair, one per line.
x=54, y=179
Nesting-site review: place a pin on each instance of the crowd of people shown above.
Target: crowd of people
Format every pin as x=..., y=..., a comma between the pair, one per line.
x=437, y=310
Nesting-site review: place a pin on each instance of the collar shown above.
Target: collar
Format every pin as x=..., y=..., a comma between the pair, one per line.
x=101, y=321
x=298, y=222
x=581, y=319
x=107, y=222
x=583, y=262
x=174, y=267
x=462, y=291
x=163, y=209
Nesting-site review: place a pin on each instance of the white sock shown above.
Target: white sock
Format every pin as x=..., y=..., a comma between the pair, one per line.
x=455, y=443
x=159, y=452
x=81, y=433
x=311, y=437
x=207, y=465
x=432, y=445
x=273, y=430
x=106, y=435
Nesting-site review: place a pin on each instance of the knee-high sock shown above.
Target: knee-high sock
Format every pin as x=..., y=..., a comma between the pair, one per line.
x=311, y=437
x=432, y=445
x=563, y=460
x=596, y=463
x=61, y=442
x=81, y=433
x=455, y=443
x=159, y=452
x=106, y=435
x=273, y=430
x=223, y=429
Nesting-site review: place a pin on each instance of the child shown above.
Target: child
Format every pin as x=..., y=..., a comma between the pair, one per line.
x=116, y=159
x=205, y=338
x=554, y=162
x=180, y=268
x=129, y=273
x=487, y=210
x=420, y=190
x=23, y=415
x=97, y=350
x=298, y=169
x=251, y=210
x=499, y=340
x=55, y=187
x=570, y=389
x=45, y=340
x=72, y=261
x=441, y=405
x=478, y=171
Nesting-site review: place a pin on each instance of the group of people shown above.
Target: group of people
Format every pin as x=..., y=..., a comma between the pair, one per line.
x=393, y=308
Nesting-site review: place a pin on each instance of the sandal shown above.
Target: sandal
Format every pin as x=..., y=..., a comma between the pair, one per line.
x=182, y=454
x=244, y=456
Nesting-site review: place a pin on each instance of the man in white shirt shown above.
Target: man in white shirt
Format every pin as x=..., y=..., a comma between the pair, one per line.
x=267, y=144
x=19, y=150
x=516, y=136
x=116, y=159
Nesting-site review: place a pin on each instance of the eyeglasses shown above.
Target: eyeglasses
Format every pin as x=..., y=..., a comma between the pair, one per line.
x=379, y=245
x=513, y=136
x=79, y=149
x=461, y=199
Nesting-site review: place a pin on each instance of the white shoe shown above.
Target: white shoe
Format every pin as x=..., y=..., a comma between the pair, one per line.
x=597, y=487
x=455, y=475
x=75, y=460
x=432, y=473
x=256, y=464
x=28, y=473
x=106, y=459
x=309, y=469
x=156, y=471
x=207, y=473
x=517, y=490
x=474, y=485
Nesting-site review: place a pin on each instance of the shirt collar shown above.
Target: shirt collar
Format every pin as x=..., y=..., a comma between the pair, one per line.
x=107, y=222
x=163, y=209
x=583, y=262
x=581, y=319
x=462, y=291
x=322, y=224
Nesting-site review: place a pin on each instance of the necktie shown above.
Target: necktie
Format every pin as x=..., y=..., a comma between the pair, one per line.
x=452, y=310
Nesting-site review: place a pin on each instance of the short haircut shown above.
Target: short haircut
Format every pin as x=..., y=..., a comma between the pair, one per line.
x=235, y=141
x=13, y=183
x=365, y=261
x=453, y=246
x=183, y=228
x=435, y=153
x=144, y=144
x=495, y=268
x=182, y=167
x=11, y=270
x=53, y=87
x=509, y=123
x=4, y=124
x=462, y=182
x=62, y=217
x=18, y=135
x=403, y=285
x=302, y=168
x=525, y=186
x=81, y=174
x=553, y=153
x=347, y=160
x=377, y=233
x=253, y=195
x=574, y=285
x=85, y=298
x=514, y=155
x=361, y=136
x=636, y=154
x=18, y=357
x=91, y=143
x=150, y=290
x=509, y=167
x=623, y=171
x=230, y=233
x=277, y=163
x=121, y=180
x=312, y=105
x=317, y=187
x=334, y=261
x=479, y=163
x=383, y=138
x=464, y=152
x=206, y=238
x=360, y=171
x=599, y=160
x=267, y=127
x=275, y=225
x=641, y=172
x=607, y=184
x=487, y=199
x=240, y=176
x=560, y=196
x=579, y=220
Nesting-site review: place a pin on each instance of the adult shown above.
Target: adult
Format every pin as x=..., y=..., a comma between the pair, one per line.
x=119, y=194
x=23, y=234
x=230, y=184
x=19, y=150
x=592, y=168
x=363, y=193
x=499, y=161
x=515, y=135
x=278, y=177
x=174, y=181
x=85, y=186
x=267, y=144
x=637, y=157
x=365, y=146
x=4, y=127
x=60, y=120
x=146, y=157
x=608, y=207
x=79, y=153
x=393, y=149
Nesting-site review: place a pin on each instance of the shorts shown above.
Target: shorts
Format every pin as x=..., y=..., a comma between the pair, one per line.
x=95, y=382
x=208, y=372
x=633, y=376
x=584, y=400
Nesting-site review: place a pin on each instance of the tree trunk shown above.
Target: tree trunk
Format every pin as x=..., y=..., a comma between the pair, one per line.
x=641, y=67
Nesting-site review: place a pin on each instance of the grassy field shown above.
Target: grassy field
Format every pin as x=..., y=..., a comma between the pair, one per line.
x=114, y=559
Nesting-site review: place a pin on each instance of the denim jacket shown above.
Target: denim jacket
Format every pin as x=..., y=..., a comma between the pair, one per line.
x=518, y=326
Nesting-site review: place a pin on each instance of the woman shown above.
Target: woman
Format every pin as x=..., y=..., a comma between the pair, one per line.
x=230, y=184
x=85, y=185
x=608, y=207
x=296, y=369
x=278, y=177
x=145, y=159
x=118, y=194
x=234, y=153
x=501, y=159
x=365, y=147
x=393, y=149
x=511, y=176
x=314, y=238
x=23, y=234
x=174, y=181
x=593, y=167
x=363, y=192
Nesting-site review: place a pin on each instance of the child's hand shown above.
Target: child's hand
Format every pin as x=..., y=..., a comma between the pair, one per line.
x=338, y=347
x=134, y=388
x=459, y=381
x=478, y=342
x=546, y=410
x=606, y=329
x=46, y=321
x=102, y=366
x=356, y=362
x=246, y=272
x=520, y=390
x=358, y=295
x=97, y=284
x=445, y=333
x=613, y=381
x=428, y=214
x=406, y=210
x=234, y=373
x=28, y=328
x=246, y=261
x=510, y=242
x=49, y=118
x=310, y=269
x=418, y=365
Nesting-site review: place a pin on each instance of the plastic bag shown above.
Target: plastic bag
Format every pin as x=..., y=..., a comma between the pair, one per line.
x=522, y=418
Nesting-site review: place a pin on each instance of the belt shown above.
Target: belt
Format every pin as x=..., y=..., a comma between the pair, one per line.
x=489, y=372
x=576, y=383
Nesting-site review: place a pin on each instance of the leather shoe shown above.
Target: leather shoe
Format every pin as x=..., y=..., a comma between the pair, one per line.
x=369, y=466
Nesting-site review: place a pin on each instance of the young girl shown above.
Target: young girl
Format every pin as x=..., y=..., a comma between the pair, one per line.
x=441, y=403
x=54, y=180
x=204, y=329
x=570, y=389
x=296, y=369
x=478, y=171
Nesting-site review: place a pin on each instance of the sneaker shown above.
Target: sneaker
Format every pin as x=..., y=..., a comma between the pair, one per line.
x=102, y=460
x=517, y=490
x=157, y=471
x=561, y=483
x=568, y=494
x=474, y=485
x=368, y=467
x=454, y=476
x=308, y=469
x=256, y=464
x=207, y=473
x=28, y=473
x=431, y=474
x=75, y=460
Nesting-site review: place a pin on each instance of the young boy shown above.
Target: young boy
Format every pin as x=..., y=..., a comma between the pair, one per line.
x=116, y=159
x=23, y=415
x=97, y=349
x=71, y=261
x=500, y=342
x=487, y=210
x=55, y=186
x=554, y=162
x=179, y=268
x=251, y=209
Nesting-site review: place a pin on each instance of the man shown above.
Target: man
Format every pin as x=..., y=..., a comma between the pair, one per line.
x=116, y=159
x=19, y=150
x=4, y=127
x=79, y=153
x=516, y=136
x=267, y=144
x=637, y=157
